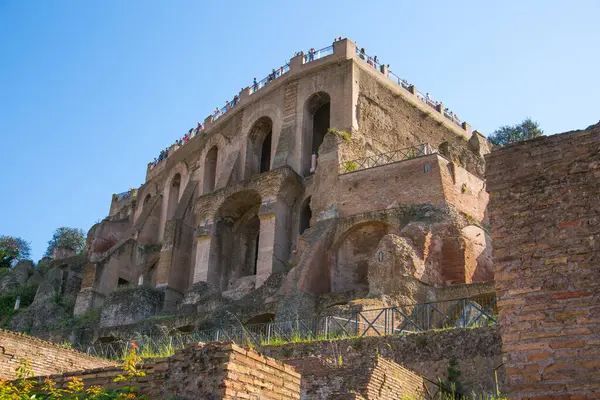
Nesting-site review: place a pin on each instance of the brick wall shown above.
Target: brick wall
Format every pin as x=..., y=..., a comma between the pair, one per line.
x=477, y=351
x=45, y=357
x=371, y=377
x=545, y=222
x=204, y=371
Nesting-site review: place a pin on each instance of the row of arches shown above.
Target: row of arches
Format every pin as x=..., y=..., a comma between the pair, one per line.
x=317, y=116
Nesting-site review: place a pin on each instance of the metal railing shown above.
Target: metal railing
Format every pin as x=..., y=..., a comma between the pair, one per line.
x=404, y=319
x=425, y=98
x=452, y=117
x=318, y=54
x=284, y=69
x=377, y=160
x=402, y=82
x=126, y=195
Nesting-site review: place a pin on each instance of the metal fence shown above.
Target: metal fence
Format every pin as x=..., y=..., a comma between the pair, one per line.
x=411, y=318
x=125, y=195
x=284, y=69
x=377, y=160
x=318, y=54
x=425, y=98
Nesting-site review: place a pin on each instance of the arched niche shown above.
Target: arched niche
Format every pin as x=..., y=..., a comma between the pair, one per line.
x=350, y=255
x=258, y=155
x=316, y=122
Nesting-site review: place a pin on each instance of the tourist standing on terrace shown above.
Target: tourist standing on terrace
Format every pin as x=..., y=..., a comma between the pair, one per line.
x=199, y=127
x=255, y=85
x=362, y=53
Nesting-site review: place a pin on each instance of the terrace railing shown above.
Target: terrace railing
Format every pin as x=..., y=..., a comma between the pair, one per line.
x=126, y=195
x=411, y=318
x=377, y=160
x=318, y=54
x=269, y=78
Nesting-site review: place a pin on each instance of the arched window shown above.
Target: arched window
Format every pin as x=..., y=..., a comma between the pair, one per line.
x=316, y=122
x=236, y=239
x=173, y=196
x=305, y=216
x=210, y=170
x=258, y=155
x=265, y=154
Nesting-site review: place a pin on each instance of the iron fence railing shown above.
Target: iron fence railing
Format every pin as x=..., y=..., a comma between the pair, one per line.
x=452, y=117
x=425, y=98
x=315, y=55
x=126, y=195
x=377, y=160
x=412, y=318
x=284, y=69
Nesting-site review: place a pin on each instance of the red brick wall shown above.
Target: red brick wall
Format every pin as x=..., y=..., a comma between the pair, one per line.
x=45, y=357
x=372, y=377
x=214, y=370
x=545, y=217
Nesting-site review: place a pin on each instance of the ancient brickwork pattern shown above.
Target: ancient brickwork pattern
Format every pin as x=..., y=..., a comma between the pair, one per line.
x=203, y=371
x=546, y=230
x=45, y=357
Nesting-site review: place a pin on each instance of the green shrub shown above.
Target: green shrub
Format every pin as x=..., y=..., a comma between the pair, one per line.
x=343, y=134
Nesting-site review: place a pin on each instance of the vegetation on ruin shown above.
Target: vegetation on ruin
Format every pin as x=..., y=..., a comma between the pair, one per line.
x=25, y=387
x=507, y=134
x=72, y=238
x=12, y=249
x=347, y=136
x=350, y=166
x=7, y=302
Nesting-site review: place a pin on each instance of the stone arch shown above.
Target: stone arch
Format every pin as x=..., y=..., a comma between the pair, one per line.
x=173, y=189
x=350, y=255
x=261, y=319
x=210, y=170
x=236, y=235
x=316, y=120
x=220, y=142
x=150, y=189
x=260, y=147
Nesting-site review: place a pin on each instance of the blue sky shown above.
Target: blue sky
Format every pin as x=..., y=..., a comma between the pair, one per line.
x=90, y=91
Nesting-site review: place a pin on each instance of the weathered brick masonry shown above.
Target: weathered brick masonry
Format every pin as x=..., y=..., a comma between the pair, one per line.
x=45, y=357
x=205, y=371
x=545, y=221
x=371, y=377
x=477, y=351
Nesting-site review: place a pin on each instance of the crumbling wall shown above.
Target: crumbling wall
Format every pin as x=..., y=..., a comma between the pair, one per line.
x=388, y=121
x=203, y=371
x=544, y=215
x=476, y=351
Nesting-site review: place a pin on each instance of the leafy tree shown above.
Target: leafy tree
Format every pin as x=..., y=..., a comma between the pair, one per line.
x=72, y=238
x=13, y=249
x=507, y=134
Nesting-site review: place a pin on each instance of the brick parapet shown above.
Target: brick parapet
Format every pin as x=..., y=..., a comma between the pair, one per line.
x=45, y=357
x=544, y=216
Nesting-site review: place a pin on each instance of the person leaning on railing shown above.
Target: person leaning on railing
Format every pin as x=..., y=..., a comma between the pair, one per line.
x=255, y=85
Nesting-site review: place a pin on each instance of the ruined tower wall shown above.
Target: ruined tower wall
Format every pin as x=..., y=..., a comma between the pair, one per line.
x=390, y=118
x=544, y=215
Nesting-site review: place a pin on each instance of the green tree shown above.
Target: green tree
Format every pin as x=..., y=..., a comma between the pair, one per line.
x=507, y=134
x=72, y=238
x=13, y=249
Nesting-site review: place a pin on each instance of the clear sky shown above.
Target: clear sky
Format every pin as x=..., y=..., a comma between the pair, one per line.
x=90, y=91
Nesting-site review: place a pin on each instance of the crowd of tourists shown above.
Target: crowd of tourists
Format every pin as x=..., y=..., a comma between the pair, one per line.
x=276, y=73
x=179, y=142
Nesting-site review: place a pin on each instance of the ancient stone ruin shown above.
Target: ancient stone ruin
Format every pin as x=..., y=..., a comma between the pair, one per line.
x=333, y=200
